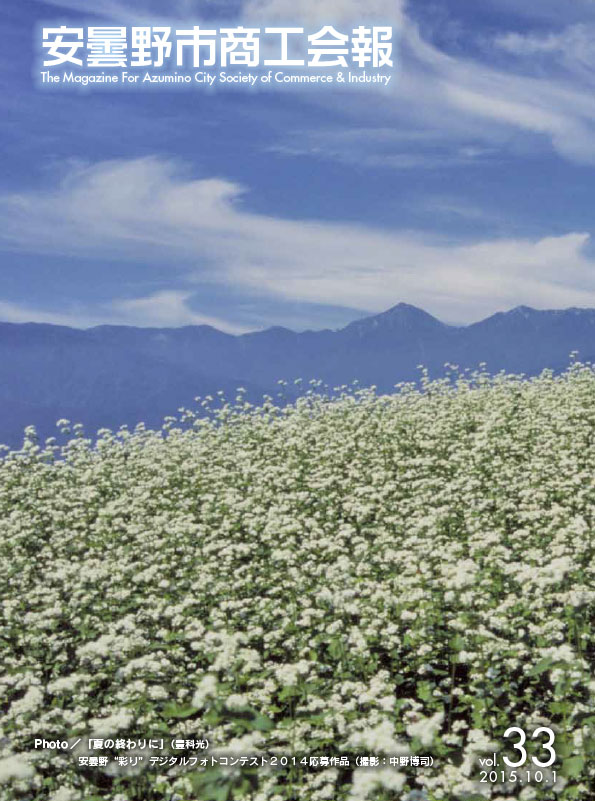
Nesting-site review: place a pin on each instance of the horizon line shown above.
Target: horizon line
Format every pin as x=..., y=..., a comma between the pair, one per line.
x=399, y=306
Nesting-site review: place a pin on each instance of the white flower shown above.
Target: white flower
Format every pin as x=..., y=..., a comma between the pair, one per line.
x=65, y=684
x=426, y=728
x=14, y=767
x=28, y=703
x=236, y=701
x=65, y=794
x=288, y=675
x=356, y=548
x=379, y=739
x=365, y=782
x=206, y=689
x=111, y=725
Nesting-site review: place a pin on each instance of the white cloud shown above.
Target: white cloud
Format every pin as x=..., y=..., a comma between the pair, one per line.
x=21, y=313
x=531, y=44
x=265, y=11
x=461, y=100
x=132, y=10
x=467, y=98
x=383, y=147
x=568, y=51
x=330, y=11
x=150, y=210
x=166, y=309
x=550, y=11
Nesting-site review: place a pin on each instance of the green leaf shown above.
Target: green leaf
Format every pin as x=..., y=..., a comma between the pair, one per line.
x=564, y=747
x=543, y=665
x=262, y=723
x=560, y=707
x=424, y=690
x=336, y=648
x=177, y=711
x=288, y=692
x=220, y=793
x=573, y=767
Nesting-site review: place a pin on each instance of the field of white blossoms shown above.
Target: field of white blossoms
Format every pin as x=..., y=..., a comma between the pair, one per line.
x=365, y=575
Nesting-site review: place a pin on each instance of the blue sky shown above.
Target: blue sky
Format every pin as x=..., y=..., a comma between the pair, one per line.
x=466, y=188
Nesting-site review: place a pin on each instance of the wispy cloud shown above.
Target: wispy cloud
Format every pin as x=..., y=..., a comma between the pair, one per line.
x=466, y=97
x=569, y=51
x=546, y=11
x=530, y=44
x=201, y=230
x=22, y=313
x=165, y=309
x=331, y=11
x=383, y=147
x=138, y=9
x=468, y=103
x=464, y=102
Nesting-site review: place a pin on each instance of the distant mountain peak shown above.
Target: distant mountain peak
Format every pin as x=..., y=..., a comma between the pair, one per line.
x=401, y=318
x=110, y=375
x=275, y=331
x=405, y=308
x=522, y=310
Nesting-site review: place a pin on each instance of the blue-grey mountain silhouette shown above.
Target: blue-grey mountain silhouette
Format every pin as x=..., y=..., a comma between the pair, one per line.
x=113, y=375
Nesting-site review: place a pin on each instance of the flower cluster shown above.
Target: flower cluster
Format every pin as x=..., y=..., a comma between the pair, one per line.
x=351, y=574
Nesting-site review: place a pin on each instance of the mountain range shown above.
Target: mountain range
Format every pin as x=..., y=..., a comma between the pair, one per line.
x=112, y=375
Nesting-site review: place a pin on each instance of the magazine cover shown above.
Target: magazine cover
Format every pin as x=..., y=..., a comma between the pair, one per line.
x=297, y=406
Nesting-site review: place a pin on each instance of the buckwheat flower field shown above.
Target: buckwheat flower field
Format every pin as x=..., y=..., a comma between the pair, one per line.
x=396, y=575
